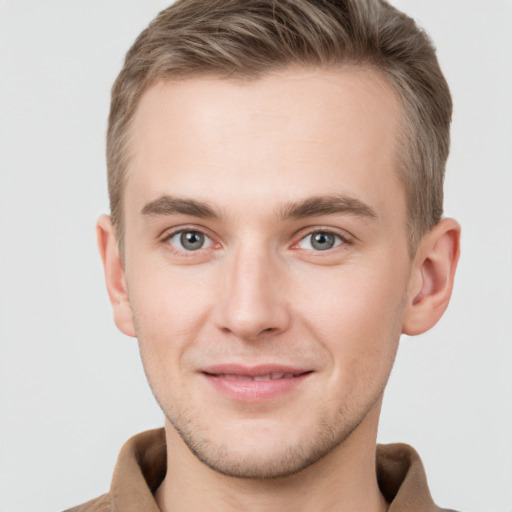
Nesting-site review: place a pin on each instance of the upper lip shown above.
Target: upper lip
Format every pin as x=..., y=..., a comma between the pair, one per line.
x=253, y=370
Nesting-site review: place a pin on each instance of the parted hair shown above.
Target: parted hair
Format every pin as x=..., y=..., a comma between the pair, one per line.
x=244, y=39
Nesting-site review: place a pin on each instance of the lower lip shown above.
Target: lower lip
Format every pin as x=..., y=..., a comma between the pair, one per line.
x=255, y=390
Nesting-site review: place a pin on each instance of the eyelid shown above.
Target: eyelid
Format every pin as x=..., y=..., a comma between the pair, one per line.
x=346, y=238
x=342, y=233
x=167, y=234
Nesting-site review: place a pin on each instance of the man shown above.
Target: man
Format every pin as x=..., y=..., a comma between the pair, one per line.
x=275, y=177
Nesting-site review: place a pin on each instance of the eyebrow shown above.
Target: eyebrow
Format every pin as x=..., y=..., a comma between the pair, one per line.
x=327, y=205
x=170, y=205
x=310, y=207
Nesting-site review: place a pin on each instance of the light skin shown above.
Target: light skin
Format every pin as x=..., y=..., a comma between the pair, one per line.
x=265, y=238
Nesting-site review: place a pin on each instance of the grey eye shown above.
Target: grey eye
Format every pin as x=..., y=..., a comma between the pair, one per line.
x=190, y=240
x=320, y=241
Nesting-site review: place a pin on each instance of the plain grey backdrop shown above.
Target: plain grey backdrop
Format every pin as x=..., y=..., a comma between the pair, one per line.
x=71, y=387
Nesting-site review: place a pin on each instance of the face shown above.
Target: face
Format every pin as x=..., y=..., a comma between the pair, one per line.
x=266, y=261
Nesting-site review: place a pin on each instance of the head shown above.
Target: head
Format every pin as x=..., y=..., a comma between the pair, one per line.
x=275, y=174
x=246, y=39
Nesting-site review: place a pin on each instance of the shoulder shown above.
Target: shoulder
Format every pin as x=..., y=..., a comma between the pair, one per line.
x=100, y=504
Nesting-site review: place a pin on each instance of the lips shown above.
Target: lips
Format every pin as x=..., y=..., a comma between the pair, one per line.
x=254, y=383
x=268, y=376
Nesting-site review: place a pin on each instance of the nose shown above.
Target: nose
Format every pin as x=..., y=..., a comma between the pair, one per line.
x=252, y=299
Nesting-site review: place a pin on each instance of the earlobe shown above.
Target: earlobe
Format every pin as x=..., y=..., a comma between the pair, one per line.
x=432, y=277
x=115, y=278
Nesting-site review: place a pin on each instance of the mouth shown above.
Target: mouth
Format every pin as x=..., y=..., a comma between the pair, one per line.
x=267, y=376
x=256, y=383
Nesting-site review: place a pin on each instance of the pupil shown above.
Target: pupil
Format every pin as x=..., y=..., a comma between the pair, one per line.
x=322, y=241
x=192, y=240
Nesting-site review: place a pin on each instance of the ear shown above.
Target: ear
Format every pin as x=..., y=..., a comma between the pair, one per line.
x=432, y=277
x=115, y=278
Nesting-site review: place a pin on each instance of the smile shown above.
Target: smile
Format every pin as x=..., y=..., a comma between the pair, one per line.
x=268, y=376
x=254, y=384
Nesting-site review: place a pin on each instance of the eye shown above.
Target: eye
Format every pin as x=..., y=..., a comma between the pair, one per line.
x=189, y=240
x=320, y=241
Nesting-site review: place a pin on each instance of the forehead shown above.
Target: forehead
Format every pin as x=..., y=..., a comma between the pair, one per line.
x=287, y=134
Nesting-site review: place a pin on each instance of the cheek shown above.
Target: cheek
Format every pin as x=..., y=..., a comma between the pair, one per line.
x=355, y=310
x=170, y=306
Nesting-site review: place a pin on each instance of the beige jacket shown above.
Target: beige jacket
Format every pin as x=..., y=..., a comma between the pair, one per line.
x=142, y=463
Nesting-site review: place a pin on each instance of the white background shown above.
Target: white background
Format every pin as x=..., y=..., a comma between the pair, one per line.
x=71, y=387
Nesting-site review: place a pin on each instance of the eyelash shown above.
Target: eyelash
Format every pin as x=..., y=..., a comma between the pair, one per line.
x=344, y=238
x=166, y=239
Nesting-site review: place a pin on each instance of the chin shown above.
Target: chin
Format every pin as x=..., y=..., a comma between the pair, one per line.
x=258, y=463
x=263, y=452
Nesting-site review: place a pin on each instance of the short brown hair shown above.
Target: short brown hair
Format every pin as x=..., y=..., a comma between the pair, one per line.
x=247, y=38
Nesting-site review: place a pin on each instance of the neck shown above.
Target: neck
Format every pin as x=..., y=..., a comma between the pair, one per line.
x=344, y=480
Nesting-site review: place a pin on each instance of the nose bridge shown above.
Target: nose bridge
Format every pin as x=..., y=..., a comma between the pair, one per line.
x=253, y=299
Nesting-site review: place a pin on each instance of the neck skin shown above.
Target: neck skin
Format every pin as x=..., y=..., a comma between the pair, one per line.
x=344, y=480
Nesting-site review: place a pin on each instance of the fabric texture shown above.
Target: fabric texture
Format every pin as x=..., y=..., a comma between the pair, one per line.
x=141, y=467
